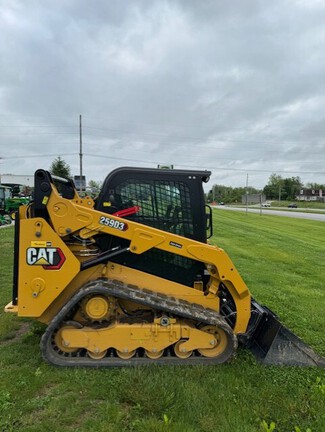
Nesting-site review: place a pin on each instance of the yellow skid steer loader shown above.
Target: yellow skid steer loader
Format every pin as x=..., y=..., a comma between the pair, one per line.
x=129, y=278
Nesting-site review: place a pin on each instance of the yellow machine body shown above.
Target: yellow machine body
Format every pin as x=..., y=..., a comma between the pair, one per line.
x=75, y=273
x=40, y=287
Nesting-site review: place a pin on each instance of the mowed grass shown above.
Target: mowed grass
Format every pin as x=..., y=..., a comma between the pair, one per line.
x=281, y=260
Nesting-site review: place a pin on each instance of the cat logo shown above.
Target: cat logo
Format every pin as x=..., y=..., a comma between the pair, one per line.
x=50, y=258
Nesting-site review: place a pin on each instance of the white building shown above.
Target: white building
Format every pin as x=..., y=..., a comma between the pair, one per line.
x=311, y=195
x=25, y=180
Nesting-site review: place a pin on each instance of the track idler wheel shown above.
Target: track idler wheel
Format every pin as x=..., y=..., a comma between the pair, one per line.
x=59, y=341
x=219, y=342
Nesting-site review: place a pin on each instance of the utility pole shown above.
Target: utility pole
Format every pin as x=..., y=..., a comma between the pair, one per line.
x=80, y=151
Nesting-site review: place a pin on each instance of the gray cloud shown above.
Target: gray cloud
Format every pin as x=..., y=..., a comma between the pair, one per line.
x=236, y=87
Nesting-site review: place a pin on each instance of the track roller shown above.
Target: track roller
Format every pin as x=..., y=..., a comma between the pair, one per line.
x=154, y=355
x=97, y=356
x=125, y=355
x=181, y=353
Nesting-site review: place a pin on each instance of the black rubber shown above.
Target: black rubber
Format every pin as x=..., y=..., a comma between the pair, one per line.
x=176, y=307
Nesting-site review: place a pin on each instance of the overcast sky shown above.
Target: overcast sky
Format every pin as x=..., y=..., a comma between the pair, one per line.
x=235, y=87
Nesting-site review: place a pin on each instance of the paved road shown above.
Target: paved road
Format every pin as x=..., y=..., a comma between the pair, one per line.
x=288, y=213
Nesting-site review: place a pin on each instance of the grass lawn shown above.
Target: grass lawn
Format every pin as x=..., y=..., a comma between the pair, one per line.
x=281, y=260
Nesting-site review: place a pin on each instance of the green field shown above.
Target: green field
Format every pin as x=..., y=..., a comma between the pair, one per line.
x=282, y=261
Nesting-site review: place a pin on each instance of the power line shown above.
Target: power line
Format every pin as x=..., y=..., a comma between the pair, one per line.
x=209, y=167
x=165, y=163
x=202, y=145
x=37, y=155
x=38, y=126
x=203, y=138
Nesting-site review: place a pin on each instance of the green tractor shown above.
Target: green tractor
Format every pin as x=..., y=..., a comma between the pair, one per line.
x=4, y=195
x=12, y=205
x=9, y=204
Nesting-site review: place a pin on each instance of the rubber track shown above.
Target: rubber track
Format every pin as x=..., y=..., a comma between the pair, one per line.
x=157, y=301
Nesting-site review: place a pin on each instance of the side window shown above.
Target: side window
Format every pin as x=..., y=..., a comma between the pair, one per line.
x=162, y=204
x=132, y=193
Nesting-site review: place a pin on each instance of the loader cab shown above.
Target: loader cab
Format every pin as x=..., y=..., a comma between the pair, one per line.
x=169, y=200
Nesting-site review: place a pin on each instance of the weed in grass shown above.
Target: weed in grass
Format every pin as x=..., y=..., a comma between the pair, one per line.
x=319, y=388
x=167, y=420
x=267, y=427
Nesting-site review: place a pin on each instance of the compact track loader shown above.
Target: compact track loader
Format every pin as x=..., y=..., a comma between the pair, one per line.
x=130, y=279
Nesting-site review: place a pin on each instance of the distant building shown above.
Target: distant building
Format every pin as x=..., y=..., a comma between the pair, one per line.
x=311, y=195
x=12, y=179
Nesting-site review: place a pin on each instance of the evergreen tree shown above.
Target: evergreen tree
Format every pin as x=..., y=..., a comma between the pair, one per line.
x=60, y=168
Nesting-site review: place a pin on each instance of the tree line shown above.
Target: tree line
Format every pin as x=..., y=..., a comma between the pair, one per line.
x=277, y=188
